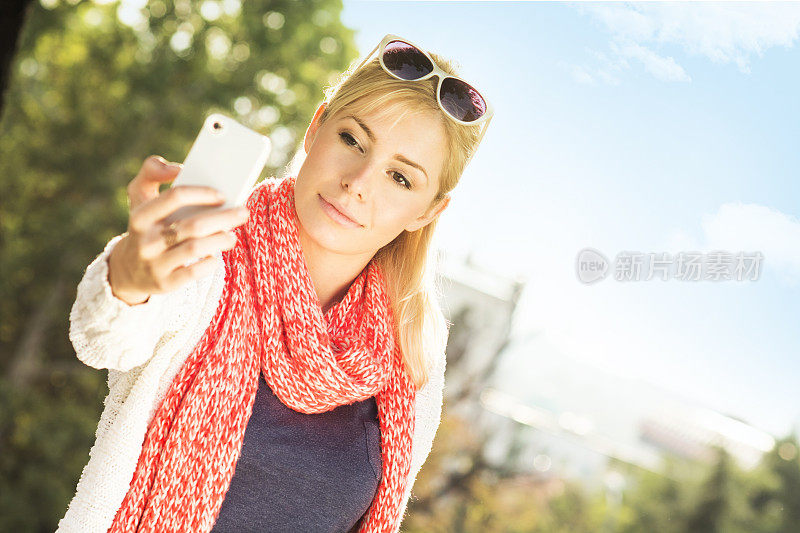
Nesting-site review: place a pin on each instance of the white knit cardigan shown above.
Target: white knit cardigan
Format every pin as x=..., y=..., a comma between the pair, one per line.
x=143, y=347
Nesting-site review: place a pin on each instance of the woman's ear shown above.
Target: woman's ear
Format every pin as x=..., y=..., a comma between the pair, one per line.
x=311, y=131
x=430, y=215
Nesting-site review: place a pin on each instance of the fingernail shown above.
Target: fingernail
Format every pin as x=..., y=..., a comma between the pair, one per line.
x=167, y=164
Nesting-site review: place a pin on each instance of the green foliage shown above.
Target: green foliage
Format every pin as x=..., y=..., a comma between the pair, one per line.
x=455, y=491
x=45, y=441
x=656, y=502
x=90, y=98
x=773, y=488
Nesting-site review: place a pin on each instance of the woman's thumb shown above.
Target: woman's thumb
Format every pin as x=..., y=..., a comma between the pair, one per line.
x=161, y=169
x=154, y=171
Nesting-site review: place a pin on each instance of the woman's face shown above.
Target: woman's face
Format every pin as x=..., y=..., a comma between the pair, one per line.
x=383, y=176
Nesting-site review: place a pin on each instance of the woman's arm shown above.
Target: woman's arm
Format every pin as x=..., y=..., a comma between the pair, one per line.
x=106, y=332
x=426, y=422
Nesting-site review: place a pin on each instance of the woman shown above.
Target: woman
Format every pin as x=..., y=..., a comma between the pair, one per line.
x=298, y=387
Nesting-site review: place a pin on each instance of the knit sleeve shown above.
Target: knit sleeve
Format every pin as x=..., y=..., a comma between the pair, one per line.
x=106, y=332
x=426, y=422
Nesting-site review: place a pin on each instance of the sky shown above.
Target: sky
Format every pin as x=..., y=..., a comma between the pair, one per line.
x=648, y=127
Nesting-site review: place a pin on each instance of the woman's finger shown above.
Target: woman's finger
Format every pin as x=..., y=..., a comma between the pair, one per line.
x=183, y=275
x=148, y=214
x=154, y=171
x=192, y=249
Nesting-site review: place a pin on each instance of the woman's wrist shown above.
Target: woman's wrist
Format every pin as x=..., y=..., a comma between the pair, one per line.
x=115, y=277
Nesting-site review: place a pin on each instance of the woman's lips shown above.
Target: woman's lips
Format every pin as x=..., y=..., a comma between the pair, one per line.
x=336, y=215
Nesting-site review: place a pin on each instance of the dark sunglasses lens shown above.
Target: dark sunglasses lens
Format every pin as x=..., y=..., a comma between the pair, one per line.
x=461, y=100
x=406, y=61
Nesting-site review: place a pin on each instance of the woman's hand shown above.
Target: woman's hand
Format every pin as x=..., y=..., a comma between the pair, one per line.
x=141, y=264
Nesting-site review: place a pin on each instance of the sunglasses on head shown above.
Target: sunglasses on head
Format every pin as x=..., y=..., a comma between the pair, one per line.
x=458, y=99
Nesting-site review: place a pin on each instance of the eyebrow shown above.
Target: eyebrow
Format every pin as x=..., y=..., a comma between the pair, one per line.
x=399, y=157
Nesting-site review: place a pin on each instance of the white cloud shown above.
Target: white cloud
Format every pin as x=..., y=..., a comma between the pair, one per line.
x=624, y=21
x=589, y=76
x=725, y=32
x=750, y=227
x=663, y=68
x=579, y=74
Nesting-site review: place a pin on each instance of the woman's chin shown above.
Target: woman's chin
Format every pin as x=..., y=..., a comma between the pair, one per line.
x=324, y=234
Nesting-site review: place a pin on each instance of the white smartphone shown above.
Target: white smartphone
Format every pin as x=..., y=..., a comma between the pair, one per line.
x=225, y=155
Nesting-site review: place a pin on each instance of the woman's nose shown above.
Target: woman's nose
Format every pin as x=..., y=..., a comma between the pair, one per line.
x=357, y=182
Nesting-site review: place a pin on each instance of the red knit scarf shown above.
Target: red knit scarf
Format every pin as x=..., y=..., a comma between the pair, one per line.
x=269, y=320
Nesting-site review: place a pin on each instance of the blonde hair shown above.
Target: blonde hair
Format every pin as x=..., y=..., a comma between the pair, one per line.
x=408, y=262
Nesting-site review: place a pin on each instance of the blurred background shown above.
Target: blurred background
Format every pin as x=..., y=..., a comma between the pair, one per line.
x=633, y=403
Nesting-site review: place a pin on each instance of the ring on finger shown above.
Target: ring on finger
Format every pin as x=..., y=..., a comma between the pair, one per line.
x=170, y=234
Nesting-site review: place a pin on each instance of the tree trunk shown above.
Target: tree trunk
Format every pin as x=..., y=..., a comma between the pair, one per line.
x=27, y=362
x=12, y=18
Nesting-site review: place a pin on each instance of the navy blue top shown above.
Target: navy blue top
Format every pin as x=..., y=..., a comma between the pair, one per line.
x=303, y=472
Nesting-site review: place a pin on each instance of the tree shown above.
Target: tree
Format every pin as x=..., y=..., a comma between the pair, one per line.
x=93, y=90
x=12, y=17
x=773, y=488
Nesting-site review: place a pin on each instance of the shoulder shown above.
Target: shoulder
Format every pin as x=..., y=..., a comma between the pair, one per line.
x=426, y=421
x=428, y=408
x=436, y=368
x=432, y=389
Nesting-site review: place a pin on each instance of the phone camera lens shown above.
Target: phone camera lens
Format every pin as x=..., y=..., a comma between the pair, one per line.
x=217, y=126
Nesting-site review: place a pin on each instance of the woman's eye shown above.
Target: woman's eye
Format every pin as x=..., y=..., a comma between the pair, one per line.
x=348, y=139
x=405, y=183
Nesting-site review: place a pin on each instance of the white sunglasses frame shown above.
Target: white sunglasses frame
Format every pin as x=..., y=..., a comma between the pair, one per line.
x=486, y=118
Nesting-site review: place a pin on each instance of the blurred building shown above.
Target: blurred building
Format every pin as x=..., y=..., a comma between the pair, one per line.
x=627, y=421
x=691, y=432
x=480, y=306
x=566, y=418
